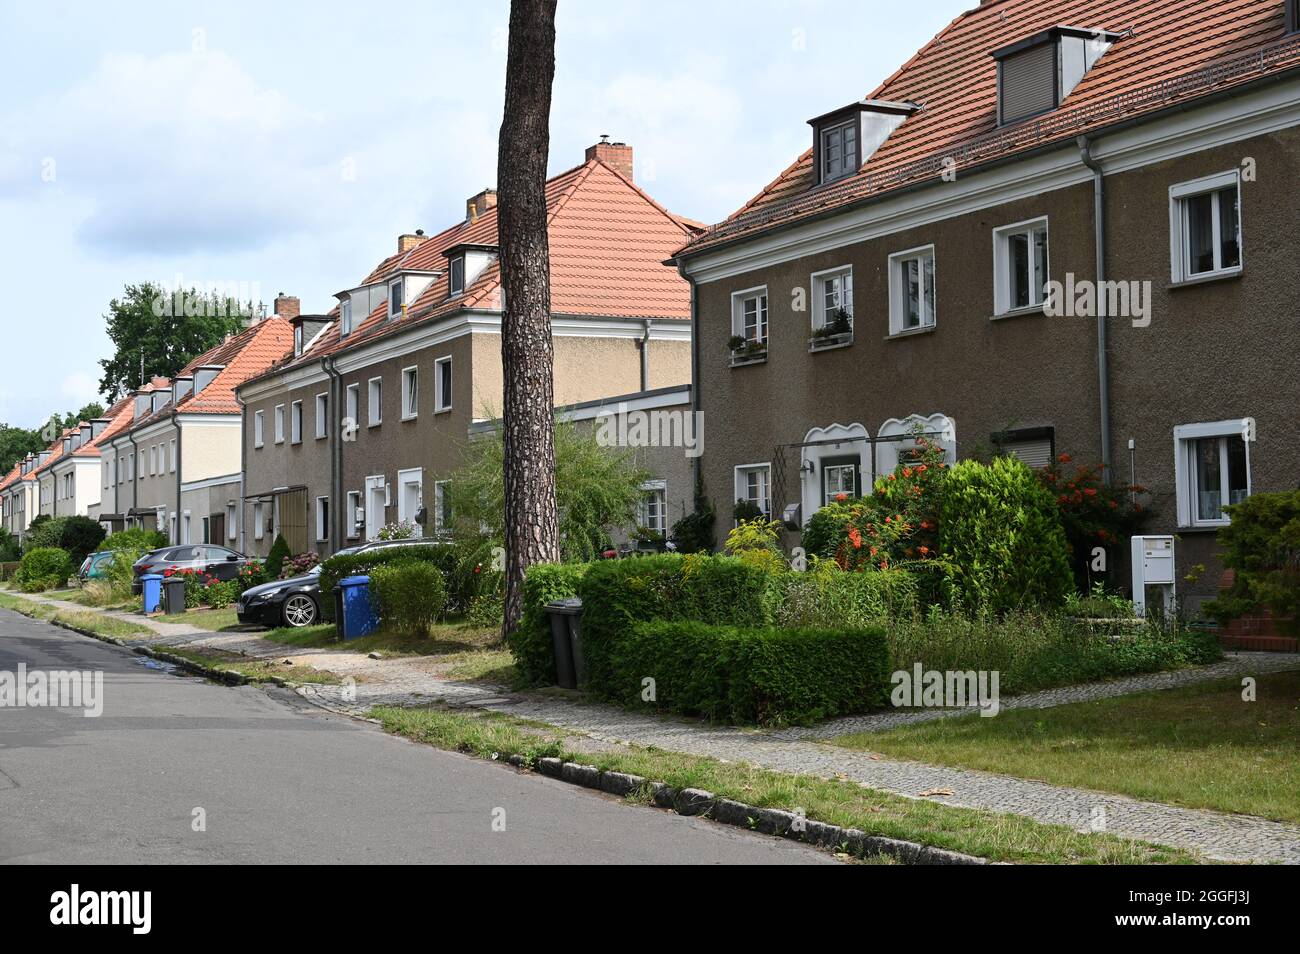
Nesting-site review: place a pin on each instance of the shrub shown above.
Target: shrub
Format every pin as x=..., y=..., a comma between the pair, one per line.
x=752, y=675
x=530, y=643
x=1001, y=535
x=79, y=536
x=99, y=592
x=1093, y=512
x=136, y=538
x=398, y=530
x=43, y=568
x=826, y=596
x=298, y=565
x=1262, y=546
x=275, y=559
x=352, y=564
x=251, y=574
x=409, y=595
x=220, y=593
x=827, y=528
x=694, y=532
x=9, y=549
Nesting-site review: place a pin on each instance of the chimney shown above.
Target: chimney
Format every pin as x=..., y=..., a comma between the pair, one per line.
x=477, y=205
x=404, y=244
x=616, y=155
x=287, y=306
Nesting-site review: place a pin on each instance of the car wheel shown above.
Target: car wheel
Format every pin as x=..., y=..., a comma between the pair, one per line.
x=299, y=610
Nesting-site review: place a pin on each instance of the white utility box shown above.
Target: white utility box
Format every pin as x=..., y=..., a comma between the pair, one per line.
x=1152, y=559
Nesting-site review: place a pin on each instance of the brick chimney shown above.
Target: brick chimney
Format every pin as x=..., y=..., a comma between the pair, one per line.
x=476, y=205
x=616, y=155
x=409, y=241
x=287, y=306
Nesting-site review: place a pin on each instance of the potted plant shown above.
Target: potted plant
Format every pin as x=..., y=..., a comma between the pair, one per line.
x=745, y=350
x=648, y=539
x=838, y=329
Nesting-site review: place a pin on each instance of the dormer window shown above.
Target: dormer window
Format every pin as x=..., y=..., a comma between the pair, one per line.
x=345, y=317
x=845, y=139
x=395, y=299
x=297, y=341
x=456, y=275
x=1036, y=74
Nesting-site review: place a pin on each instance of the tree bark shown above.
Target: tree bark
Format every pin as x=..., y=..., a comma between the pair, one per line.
x=527, y=351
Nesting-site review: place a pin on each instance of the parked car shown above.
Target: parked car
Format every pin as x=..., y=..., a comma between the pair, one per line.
x=211, y=560
x=297, y=600
x=95, y=566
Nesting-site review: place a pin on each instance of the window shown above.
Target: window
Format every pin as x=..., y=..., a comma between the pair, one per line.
x=442, y=384
x=354, y=504
x=374, y=413
x=353, y=403
x=259, y=428
x=456, y=275
x=297, y=339
x=322, y=519
x=173, y=456
x=653, y=510
x=295, y=422
x=130, y=467
x=410, y=393
x=153, y=460
x=833, y=300
x=441, y=505
x=1020, y=265
x=840, y=476
x=1211, y=470
x=1205, y=227
x=322, y=415
x=749, y=315
x=911, y=290
x=345, y=317
x=279, y=423
x=395, y=299
x=259, y=525
x=207, y=530
x=752, y=483
x=839, y=151
x=232, y=519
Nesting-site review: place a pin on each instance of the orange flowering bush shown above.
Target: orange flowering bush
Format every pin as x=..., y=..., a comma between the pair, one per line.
x=1093, y=513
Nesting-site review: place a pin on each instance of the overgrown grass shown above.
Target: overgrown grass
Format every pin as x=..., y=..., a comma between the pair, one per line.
x=1199, y=746
x=258, y=670
x=94, y=622
x=986, y=834
x=206, y=618
x=453, y=636
x=496, y=666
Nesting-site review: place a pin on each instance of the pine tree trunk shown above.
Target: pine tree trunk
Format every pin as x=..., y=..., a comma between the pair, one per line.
x=527, y=353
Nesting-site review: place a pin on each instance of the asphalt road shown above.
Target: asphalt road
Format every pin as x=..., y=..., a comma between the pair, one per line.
x=281, y=781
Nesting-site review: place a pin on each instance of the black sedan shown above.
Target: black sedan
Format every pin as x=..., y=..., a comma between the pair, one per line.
x=291, y=602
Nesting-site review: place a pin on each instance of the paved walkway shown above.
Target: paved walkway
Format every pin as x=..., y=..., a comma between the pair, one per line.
x=407, y=680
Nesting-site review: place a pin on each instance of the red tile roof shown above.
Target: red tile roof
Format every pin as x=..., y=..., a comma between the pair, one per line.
x=608, y=240
x=1173, y=51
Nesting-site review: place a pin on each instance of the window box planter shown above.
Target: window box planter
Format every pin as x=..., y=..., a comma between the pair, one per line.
x=826, y=342
x=747, y=352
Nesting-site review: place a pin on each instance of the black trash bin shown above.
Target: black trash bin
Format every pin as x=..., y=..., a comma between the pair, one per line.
x=173, y=595
x=566, y=641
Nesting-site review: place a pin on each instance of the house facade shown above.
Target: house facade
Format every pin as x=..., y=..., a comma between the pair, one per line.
x=932, y=262
x=369, y=416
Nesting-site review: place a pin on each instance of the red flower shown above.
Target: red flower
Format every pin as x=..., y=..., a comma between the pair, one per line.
x=921, y=468
x=907, y=472
x=1090, y=491
x=1065, y=458
x=855, y=538
x=925, y=551
x=840, y=498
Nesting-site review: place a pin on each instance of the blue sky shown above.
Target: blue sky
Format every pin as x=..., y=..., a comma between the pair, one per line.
x=285, y=145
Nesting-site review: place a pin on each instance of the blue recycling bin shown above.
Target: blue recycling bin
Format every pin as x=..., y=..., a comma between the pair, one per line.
x=358, y=617
x=152, y=586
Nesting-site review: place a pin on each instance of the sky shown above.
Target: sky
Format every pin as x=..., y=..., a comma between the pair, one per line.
x=284, y=146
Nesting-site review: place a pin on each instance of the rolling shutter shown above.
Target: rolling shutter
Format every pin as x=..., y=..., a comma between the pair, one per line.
x=1035, y=453
x=1027, y=83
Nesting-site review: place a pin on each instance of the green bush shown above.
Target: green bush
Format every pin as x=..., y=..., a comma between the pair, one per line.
x=43, y=568
x=826, y=528
x=826, y=596
x=530, y=643
x=79, y=536
x=353, y=564
x=1000, y=532
x=9, y=548
x=694, y=532
x=136, y=538
x=275, y=559
x=751, y=675
x=409, y=595
x=1262, y=546
x=221, y=593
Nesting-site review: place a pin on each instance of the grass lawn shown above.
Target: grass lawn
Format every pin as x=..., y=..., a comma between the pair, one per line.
x=987, y=834
x=1199, y=746
x=445, y=639
x=258, y=670
x=94, y=622
x=213, y=620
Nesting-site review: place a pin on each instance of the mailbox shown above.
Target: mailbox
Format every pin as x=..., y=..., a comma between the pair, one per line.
x=1153, y=569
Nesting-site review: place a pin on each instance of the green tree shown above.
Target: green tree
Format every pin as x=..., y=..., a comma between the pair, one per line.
x=16, y=443
x=597, y=490
x=156, y=331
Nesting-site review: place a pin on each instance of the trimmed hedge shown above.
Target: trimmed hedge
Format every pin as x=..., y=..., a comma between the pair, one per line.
x=828, y=596
x=410, y=595
x=751, y=675
x=351, y=564
x=43, y=568
x=530, y=643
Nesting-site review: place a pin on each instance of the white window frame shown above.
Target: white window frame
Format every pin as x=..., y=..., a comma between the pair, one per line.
x=1002, y=267
x=153, y=459
x=172, y=461
x=259, y=429
x=1185, y=472
x=345, y=317
x=279, y=423
x=297, y=340
x=654, y=490
x=354, y=504
x=441, y=368
x=410, y=393
x=1179, y=225
x=738, y=299
x=295, y=422
x=375, y=402
x=259, y=524
x=352, y=403
x=399, y=286
x=742, y=473
x=899, y=292
x=818, y=284
x=322, y=519
x=322, y=415
x=454, y=287
x=232, y=520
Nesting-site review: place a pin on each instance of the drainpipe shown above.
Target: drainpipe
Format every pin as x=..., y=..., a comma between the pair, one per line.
x=1103, y=361
x=243, y=471
x=180, y=470
x=645, y=355
x=696, y=469
x=135, y=490
x=335, y=449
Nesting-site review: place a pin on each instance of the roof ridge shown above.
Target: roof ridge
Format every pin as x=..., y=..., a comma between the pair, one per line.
x=631, y=183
